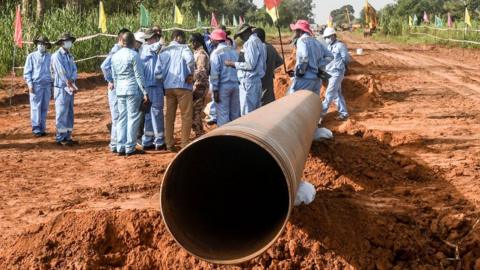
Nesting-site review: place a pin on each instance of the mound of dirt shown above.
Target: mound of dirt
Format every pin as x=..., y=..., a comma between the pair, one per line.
x=133, y=239
x=393, y=139
x=398, y=224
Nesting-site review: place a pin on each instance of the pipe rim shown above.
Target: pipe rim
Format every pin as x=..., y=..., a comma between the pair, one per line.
x=262, y=142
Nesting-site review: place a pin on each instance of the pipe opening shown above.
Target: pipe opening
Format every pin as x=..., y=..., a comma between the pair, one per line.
x=224, y=198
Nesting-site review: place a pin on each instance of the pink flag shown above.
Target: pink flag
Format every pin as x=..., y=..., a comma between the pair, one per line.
x=17, y=36
x=425, y=17
x=213, y=21
x=241, y=21
x=450, y=22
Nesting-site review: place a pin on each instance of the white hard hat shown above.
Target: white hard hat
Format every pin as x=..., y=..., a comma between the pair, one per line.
x=140, y=37
x=328, y=32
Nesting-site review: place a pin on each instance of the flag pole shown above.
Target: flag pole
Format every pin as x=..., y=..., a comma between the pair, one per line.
x=281, y=42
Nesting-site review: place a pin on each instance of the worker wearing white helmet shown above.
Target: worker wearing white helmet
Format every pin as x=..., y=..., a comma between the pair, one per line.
x=336, y=69
x=140, y=40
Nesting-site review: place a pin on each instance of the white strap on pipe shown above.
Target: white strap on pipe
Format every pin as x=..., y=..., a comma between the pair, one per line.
x=448, y=39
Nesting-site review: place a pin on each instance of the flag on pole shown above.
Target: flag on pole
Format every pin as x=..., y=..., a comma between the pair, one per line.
x=467, y=18
x=102, y=19
x=240, y=20
x=271, y=6
x=330, y=21
x=425, y=17
x=438, y=22
x=199, y=19
x=178, y=18
x=450, y=22
x=415, y=19
x=144, y=17
x=223, y=20
x=17, y=36
x=410, y=21
x=235, y=23
x=213, y=21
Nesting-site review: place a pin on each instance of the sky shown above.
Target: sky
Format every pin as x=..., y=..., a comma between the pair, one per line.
x=323, y=7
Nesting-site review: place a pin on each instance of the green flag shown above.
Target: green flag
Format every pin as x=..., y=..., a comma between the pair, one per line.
x=438, y=22
x=199, y=19
x=415, y=20
x=235, y=23
x=144, y=17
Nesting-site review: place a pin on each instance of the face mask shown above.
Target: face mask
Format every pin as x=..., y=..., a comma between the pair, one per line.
x=329, y=41
x=67, y=44
x=41, y=48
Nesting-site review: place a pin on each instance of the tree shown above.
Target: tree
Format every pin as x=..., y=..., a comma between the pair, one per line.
x=292, y=10
x=340, y=15
x=405, y=8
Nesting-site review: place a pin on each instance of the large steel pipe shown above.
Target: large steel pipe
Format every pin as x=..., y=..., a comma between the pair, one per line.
x=227, y=196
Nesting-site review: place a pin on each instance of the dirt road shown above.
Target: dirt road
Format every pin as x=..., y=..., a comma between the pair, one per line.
x=398, y=187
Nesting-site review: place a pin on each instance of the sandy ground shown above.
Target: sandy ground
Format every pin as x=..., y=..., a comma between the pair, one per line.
x=397, y=188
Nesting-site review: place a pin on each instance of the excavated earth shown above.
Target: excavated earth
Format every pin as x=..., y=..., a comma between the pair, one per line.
x=397, y=188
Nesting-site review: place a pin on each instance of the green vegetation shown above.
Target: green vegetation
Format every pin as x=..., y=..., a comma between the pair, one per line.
x=340, y=15
x=394, y=21
x=80, y=17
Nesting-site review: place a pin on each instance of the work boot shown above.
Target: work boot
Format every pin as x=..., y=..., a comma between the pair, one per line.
x=149, y=147
x=136, y=152
x=211, y=122
x=162, y=147
x=71, y=143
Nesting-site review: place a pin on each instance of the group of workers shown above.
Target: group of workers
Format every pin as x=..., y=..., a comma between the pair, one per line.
x=141, y=71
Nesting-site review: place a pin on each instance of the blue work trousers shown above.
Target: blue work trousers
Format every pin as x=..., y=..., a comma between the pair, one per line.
x=154, y=122
x=63, y=114
x=228, y=109
x=39, y=102
x=129, y=117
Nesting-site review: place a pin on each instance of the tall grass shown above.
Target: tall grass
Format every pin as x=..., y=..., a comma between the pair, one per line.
x=78, y=23
x=398, y=29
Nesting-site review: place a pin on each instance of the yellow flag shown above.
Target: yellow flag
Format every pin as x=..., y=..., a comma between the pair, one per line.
x=467, y=18
x=410, y=21
x=102, y=19
x=178, y=16
x=273, y=13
